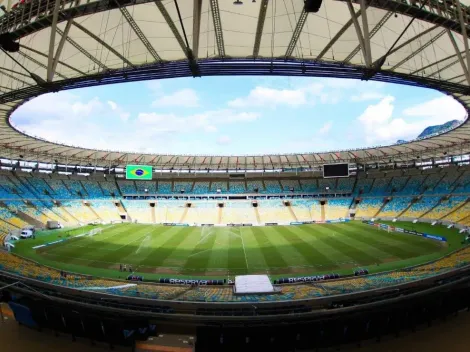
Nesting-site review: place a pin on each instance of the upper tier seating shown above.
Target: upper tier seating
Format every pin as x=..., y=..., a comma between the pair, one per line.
x=413, y=187
x=251, y=186
x=272, y=187
x=363, y=186
x=380, y=186
x=309, y=186
x=217, y=186
x=109, y=188
x=345, y=184
x=146, y=187
x=237, y=187
x=165, y=187
x=93, y=189
x=287, y=185
x=201, y=187
x=397, y=184
x=127, y=187
x=184, y=186
x=60, y=190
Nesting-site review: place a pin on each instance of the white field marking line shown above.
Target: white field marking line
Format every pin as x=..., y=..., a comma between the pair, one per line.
x=204, y=236
x=243, y=244
x=205, y=250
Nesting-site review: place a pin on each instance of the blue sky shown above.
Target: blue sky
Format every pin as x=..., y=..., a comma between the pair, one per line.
x=236, y=115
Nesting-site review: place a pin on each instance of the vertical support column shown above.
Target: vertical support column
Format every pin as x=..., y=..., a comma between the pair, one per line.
x=365, y=29
x=55, y=16
x=463, y=25
x=197, y=9
x=358, y=30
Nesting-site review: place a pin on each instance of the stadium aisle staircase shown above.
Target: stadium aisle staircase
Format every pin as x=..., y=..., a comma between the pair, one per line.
x=291, y=212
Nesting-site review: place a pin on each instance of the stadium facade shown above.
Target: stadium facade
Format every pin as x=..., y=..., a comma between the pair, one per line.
x=420, y=43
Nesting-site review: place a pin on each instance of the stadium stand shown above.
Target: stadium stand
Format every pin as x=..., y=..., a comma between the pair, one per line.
x=369, y=207
x=127, y=187
x=396, y=206
x=288, y=185
x=146, y=187
x=201, y=187
x=217, y=186
x=251, y=186
x=309, y=185
x=180, y=186
x=272, y=187
x=337, y=208
x=237, y=187
x=165, y=187
x=109, y=188
x=420, y=207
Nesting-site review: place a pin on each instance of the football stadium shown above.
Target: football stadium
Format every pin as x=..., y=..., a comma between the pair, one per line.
x=154, y=251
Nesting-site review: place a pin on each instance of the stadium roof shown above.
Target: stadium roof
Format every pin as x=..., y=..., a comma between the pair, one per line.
x=69, y=44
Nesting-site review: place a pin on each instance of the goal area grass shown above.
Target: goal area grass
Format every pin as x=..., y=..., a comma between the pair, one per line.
x=155, y=251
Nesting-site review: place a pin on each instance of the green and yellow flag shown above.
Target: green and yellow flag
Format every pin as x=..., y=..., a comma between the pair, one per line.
x=138, y=172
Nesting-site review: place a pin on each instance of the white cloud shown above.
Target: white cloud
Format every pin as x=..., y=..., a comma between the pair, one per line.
x=210, y=129
x=326, y=91
x=262, y=96
x=187, y=98
x=364, y=96
x=224, y=140
x=325, y=128
x=380, y=126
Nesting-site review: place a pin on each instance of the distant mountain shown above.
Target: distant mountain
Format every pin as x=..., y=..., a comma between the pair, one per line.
x=435, y=129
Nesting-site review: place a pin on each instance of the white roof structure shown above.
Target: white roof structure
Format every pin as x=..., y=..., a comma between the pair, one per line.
x=67, y=44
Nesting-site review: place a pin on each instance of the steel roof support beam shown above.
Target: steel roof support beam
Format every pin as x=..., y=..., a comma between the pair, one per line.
x=296, y=34
x=55, y=61
x=358, y=31
x=339, y=34
x=32, y=59
x=172, y=26
x=443, y=68
x=260, y=26
x=219, y=35
x=371, y=35
x=365, y=28
x=412, y=39
x=463, y=25
x=103, y=43
x=197, y=9
x=50, y=59
x=459, y=56
x=420, y=49
x=435, y=63
x=44, y=55
x=83, y=51
x=139, y=33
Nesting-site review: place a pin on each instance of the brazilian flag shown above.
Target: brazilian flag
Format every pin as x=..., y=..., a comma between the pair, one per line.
x=138, y=172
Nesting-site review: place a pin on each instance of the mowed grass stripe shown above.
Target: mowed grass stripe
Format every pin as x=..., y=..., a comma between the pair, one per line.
x=199, y=257
x=356, y=254
x=101, y=245
x=124, y=248
x=161, y=253
x=378, y=241
x=369, y=248
x=312, y=235
x=307, y=250
x=256, y=260
x=237, y=263
x=98, y=241
x=219, y=257
x=271, y=254
x=413, y=242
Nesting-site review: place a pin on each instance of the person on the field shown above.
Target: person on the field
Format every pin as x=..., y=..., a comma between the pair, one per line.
x=120, y=267
x=125, y=267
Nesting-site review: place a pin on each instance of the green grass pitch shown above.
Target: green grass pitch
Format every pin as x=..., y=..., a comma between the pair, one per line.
x=160, y=251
